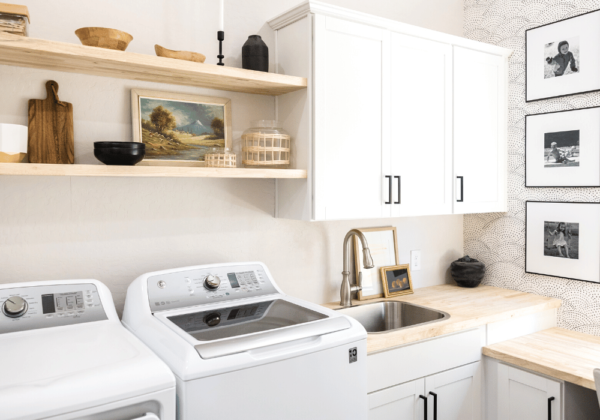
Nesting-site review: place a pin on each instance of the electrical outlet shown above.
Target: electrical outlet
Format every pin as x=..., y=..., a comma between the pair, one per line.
x=415, y=260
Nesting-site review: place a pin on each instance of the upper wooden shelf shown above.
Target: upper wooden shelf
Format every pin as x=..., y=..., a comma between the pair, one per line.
x=146, y=171
x=39, y=53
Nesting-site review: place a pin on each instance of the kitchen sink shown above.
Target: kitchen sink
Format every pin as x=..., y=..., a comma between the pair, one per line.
x=381, y=317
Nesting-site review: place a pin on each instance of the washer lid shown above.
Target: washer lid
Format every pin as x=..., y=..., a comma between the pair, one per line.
x=240, y=328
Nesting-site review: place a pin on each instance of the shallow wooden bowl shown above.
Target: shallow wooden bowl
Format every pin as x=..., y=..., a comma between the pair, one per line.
x=179, y=55
x=112, y=39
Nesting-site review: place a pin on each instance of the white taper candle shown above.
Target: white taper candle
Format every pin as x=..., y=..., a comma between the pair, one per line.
x=222, y=15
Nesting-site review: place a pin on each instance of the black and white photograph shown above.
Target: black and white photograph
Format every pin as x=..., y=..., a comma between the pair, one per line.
x=561, y=240
x=561, y=149
x=562, y=58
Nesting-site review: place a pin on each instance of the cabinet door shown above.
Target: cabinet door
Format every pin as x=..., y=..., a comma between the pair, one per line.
x=349, y=128
x=526, y=396
x=480, y=107
x=421, y=126
x=400, y=402
x=458, y=394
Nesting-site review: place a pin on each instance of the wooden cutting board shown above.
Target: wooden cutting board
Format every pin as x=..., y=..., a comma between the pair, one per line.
x=50, y=128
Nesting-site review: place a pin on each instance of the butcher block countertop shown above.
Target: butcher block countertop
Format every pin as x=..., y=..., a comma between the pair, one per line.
x=556, y=352
x=468, y=308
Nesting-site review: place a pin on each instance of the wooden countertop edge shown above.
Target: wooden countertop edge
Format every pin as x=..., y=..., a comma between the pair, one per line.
x=539, y=368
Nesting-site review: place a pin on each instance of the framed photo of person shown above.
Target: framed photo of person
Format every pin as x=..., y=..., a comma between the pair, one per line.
x=562, y=149
x=563, y=240
x=396, y=280
x=562, y=58
x=384, y=251
x=179, y=129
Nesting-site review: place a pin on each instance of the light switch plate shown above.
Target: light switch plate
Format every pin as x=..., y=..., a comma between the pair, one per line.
x=415, y=260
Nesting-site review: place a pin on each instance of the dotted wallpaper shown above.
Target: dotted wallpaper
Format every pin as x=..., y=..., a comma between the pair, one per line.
x=498, y=239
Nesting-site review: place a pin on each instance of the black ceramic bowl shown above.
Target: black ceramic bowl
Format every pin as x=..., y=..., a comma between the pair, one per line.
x=119, y=144
x=120, y=155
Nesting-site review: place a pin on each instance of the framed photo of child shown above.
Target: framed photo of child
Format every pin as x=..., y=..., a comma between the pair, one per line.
x=563, y=240
x=396, y=280
x=562, y=149
x=562, y=57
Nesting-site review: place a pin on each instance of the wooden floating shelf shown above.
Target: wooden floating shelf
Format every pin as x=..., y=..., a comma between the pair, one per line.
x=22, y=51
x=38, y=169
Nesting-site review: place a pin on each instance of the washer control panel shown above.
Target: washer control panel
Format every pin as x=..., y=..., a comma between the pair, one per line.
x=35, y=307
x=180, y=289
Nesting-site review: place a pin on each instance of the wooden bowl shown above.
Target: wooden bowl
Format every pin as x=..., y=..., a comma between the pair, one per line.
x=179, y=55
x=111, y=39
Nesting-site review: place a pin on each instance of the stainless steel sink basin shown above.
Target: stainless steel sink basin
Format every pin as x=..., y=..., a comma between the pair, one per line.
x=381, y=317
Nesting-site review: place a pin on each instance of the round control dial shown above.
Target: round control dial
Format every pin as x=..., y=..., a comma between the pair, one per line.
x=213, y=319
x=14, y=307
x=212, y=282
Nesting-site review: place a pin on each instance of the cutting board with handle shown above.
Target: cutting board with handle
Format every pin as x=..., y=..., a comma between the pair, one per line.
x=50, y=128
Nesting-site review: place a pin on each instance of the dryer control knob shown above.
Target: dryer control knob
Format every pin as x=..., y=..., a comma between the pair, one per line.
x=212, y=320
x=14, y=307
x=212, y=282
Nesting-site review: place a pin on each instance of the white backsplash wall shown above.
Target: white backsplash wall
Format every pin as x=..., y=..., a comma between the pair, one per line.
x=114, y=229
x=499, y=239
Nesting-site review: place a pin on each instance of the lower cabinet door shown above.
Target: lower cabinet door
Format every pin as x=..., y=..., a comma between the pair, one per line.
x=400, y=402
x=455, y=394
x=526, y=396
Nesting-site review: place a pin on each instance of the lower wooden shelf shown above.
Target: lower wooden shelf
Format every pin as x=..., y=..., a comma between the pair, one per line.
x=38, y=169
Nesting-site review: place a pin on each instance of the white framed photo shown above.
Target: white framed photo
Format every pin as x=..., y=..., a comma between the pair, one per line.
x=563, y=240
x=562, y=149
x=562, y=58
x=383, y=245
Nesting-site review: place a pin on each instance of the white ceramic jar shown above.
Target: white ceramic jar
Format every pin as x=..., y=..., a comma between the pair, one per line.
x=13, y=143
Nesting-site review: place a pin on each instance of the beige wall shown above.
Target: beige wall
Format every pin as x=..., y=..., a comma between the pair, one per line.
x=115, y=229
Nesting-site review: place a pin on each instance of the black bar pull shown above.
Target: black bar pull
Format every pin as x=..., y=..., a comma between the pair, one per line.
x=462, y=189
x=399, y=190
x=389, y=177
x=424, y=398
x=434, y=404
x=550, y=407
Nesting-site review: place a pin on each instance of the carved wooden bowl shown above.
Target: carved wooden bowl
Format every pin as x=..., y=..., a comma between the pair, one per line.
x=112, y=39
x=179, y=55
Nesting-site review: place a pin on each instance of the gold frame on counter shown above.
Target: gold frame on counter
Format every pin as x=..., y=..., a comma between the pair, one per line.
x=386, y=281
x=373, y=246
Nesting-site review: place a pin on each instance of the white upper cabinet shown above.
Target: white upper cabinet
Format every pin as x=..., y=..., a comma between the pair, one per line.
x=480, y=108
x=392, y=116
x=421, y=126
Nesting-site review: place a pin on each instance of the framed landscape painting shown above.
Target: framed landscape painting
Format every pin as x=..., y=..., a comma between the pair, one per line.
x=563, y=240
x=179, y=129
x=562, y=149
x=563, y=58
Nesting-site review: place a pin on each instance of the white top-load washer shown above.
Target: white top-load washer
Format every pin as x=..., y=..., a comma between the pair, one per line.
x=64, y=355
x=242, y=349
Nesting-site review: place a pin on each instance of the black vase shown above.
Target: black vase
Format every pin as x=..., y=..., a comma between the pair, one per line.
x=255, y=54
x=467, y=272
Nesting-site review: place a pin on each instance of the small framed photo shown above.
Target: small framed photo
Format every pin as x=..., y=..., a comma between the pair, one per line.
x=383, y=245
x=562, y=149
x=396, y=280
x=563, y=240
x=562, y=57
x=179, y=129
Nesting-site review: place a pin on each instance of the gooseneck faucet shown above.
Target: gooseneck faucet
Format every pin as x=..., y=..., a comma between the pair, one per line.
x=346, y=290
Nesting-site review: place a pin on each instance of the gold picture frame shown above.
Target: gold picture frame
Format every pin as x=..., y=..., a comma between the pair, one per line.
x=383, y=244
x=396, y=280
x=194, y=125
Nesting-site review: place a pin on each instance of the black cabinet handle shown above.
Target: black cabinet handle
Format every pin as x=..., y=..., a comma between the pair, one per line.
x=389, y=177
x=462, y=190
x=399, y=190
x=434, y=404
x=424, y=398
x=550, y=407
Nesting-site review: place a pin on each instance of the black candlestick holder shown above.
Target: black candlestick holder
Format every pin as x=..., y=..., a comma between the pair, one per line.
x=221, y=38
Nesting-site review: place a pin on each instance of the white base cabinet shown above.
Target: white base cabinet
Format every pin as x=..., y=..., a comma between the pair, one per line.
x=451, y=395
x=393, y=115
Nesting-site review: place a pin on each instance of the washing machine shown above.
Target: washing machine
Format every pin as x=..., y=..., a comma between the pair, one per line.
x=65, y=355
x=240, y=348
